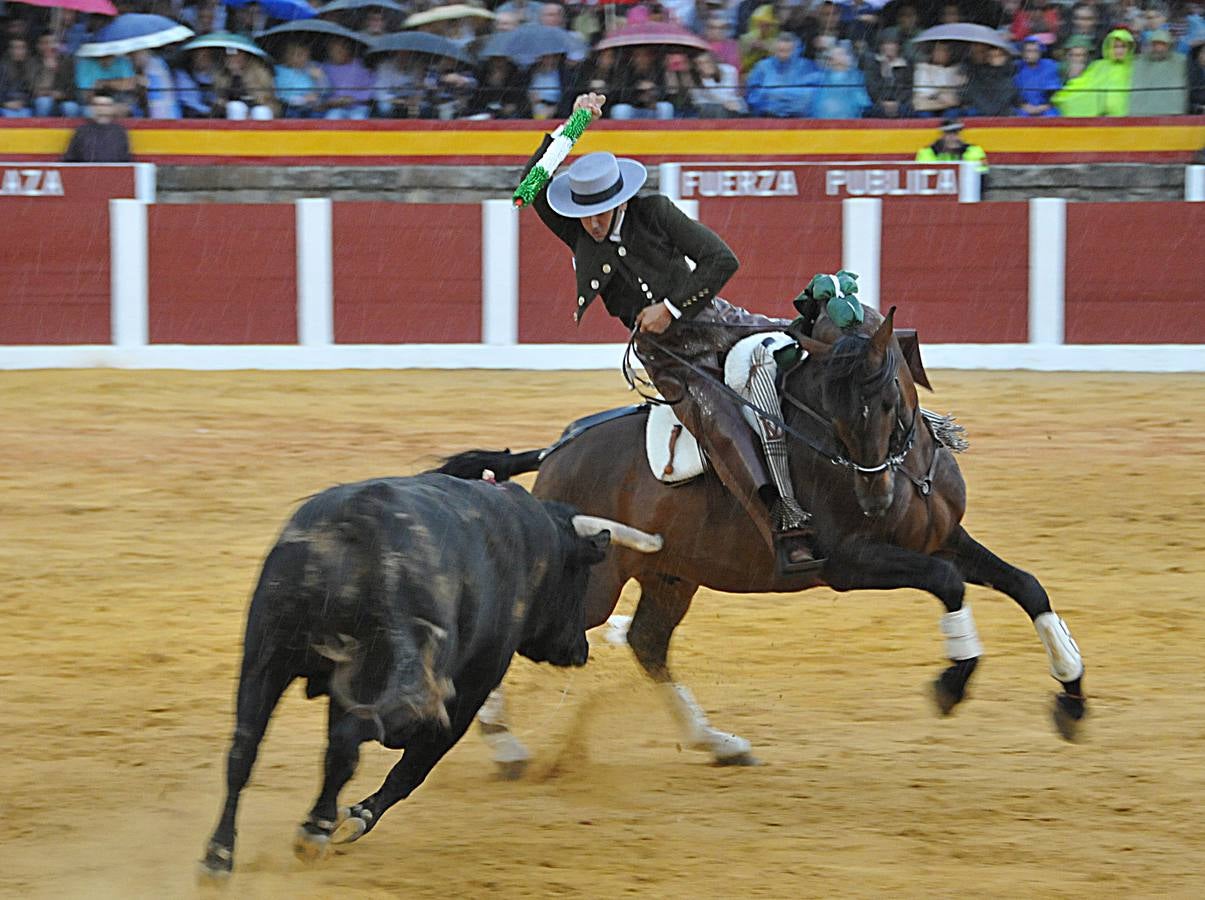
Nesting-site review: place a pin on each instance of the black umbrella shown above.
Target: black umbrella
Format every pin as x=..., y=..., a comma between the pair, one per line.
x=420, y=42
x=308, y=30
x=527, y=43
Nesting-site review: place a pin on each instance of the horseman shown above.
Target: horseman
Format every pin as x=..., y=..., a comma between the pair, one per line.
x=633, y=252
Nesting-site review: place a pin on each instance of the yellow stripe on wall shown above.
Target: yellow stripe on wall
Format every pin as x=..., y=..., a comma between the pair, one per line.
x=270, y=143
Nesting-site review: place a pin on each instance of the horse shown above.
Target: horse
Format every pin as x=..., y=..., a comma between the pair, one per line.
x=886, y=497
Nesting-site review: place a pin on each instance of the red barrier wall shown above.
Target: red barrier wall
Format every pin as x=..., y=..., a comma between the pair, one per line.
x=548, y=294
x=222, y=273
x=54, y=272
x=781, y=244
x=407, y=273
x=1135, y=273
x=959, y=273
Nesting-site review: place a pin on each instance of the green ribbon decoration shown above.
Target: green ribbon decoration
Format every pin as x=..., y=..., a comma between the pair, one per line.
x=843, y=308
x=541, y=173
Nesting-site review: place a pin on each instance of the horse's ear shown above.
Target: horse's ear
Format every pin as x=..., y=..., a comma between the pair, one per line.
x=882, y=337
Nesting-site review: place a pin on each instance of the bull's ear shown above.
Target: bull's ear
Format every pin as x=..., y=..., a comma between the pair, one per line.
x=595, y=547
x=882, y=336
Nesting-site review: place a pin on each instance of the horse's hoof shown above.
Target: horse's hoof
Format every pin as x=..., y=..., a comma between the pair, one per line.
x=310, y=846
x=350, y=830
x=738, y=759
x=215, y=868
x=945, y=698
x=1068, y=713
x=510, y=770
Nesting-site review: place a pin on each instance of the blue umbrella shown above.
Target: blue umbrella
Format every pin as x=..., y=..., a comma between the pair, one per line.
x=286, y=10
x=134, y=31
x=527, y=43
x=420, y=42
x=225, y=41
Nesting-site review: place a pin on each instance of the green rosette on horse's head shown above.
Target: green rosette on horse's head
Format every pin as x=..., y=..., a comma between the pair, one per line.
x=838, y=294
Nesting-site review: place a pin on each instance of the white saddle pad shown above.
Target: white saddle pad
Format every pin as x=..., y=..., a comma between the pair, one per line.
x=687, y=461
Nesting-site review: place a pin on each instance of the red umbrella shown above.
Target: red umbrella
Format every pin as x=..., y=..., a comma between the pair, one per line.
x=104, y=7
x=661, y=33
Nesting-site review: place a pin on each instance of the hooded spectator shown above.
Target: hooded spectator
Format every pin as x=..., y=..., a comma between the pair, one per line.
x=1037, y=79
x=889, y=79
x=990, y=89
x=758, y=42
x=1104, y=87
x=782, y=85
x=1160, y=86
x=841, y=89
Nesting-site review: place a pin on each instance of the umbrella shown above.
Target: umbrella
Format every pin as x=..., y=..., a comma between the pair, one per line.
x=444, y=14
x=353, y=5
x=134, y=31
x=225, y=40
x=287, y=10
x=104, y=7
x=304, y=28
x=966, y=33
x=420, y=42
x=527, y=43
x=659, y=33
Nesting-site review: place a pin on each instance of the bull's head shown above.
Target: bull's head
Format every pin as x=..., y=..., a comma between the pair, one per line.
x=556, y=631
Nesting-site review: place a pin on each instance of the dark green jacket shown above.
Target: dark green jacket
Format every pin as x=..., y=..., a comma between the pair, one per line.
x=648, y=264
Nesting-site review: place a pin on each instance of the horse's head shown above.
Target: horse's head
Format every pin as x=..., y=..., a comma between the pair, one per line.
x=872, y=405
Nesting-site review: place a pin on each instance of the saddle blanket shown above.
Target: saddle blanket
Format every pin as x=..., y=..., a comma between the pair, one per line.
x=673, y=453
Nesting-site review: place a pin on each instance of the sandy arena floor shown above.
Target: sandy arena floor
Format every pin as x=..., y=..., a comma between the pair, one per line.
x=137, y=507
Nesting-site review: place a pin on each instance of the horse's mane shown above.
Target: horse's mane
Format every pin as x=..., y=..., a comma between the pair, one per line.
x=848, y=376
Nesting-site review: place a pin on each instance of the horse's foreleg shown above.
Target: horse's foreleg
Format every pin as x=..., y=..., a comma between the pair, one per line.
x=980, y=566
x=664, y=600
x=863, y=565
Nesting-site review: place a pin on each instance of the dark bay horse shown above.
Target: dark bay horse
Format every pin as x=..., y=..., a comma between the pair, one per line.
x=887, y=501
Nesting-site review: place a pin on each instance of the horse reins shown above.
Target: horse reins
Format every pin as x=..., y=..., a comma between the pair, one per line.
x=894, y=462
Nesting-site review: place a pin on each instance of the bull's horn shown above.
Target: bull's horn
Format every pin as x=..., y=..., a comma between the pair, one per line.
x=623, y=535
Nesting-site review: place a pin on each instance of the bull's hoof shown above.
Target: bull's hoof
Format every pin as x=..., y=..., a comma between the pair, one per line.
x=510, y=770
x=311, y=846
x=354, y=824
x=215, y=868
x=738, y=759
x=1068, y=712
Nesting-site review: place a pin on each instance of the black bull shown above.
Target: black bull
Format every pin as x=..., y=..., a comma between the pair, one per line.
x=405, y=599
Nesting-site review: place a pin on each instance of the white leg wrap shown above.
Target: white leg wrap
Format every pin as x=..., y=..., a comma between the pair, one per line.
x=493, y=710
x=962, y=637
x=697, y=733
x=1066, y=664
x=504, y=746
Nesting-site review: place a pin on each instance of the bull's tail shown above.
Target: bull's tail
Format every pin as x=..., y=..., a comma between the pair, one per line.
x=504, y=464
x=363, y=571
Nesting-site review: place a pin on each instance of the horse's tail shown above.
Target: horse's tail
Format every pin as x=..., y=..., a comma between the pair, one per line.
x=504, y=464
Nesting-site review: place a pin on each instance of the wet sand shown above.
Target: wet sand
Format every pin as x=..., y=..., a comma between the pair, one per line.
x=137, y=508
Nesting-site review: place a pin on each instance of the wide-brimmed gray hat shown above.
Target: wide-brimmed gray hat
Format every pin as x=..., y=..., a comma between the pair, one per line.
x=594, y=184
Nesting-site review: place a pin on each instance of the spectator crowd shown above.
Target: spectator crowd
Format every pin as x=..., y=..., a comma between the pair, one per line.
x=785, y=59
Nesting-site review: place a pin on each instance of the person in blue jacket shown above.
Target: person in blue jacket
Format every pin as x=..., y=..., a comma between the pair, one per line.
x=1037, y=79
x=782, y=85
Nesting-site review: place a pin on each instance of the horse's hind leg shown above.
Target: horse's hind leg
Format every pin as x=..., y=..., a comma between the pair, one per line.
x=664, y=600
x=980, y=566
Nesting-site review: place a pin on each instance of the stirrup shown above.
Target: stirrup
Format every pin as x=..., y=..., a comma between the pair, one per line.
x=794, y=553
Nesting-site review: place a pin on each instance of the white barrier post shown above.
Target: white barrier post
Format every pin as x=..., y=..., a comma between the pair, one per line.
x=315, y=273
x=127, y=273
x=499, y=272
x=970, y=182
x=1194, y=184
x=144, y=182
x=1047, y=269
x=669, y=180
x=861, y=244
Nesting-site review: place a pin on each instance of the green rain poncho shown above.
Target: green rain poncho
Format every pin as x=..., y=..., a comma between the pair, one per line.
x=1104, y=87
